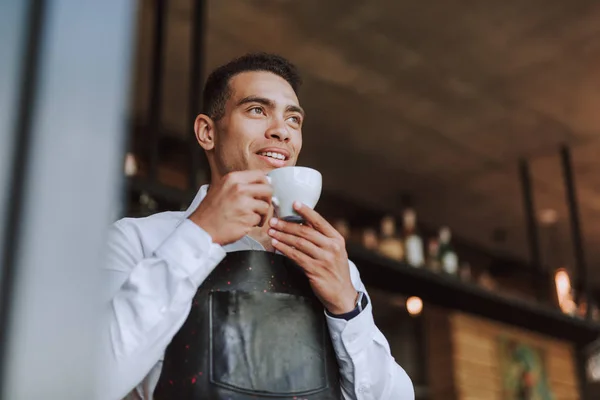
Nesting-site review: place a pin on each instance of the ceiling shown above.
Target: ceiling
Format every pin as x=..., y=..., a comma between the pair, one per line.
x=438, y=100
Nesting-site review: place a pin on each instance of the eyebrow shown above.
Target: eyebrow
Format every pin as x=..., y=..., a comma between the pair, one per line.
x=269, y=103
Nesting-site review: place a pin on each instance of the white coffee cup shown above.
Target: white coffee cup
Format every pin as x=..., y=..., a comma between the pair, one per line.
x=292, y=184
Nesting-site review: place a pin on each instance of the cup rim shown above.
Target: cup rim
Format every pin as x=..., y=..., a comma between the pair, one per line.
x=296, y=167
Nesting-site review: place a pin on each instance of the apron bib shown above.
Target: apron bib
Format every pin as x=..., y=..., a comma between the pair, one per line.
x=255, y=330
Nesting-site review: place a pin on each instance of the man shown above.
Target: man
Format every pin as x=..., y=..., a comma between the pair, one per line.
x=159, y=266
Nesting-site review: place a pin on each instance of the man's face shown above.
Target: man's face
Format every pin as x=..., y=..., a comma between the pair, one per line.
x=262, y=125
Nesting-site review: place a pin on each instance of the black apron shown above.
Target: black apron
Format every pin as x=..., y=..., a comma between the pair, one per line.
x=256, y=330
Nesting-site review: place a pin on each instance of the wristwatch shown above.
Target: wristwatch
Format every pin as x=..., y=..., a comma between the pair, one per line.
x=361, y=304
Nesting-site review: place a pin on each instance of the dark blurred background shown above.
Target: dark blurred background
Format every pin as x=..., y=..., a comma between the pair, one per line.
x=434, y=101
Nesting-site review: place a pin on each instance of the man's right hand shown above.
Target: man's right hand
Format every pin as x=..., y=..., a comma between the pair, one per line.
x=233, y=206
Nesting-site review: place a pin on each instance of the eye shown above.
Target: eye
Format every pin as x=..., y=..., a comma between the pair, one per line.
x=295, y=119
x=256, y=110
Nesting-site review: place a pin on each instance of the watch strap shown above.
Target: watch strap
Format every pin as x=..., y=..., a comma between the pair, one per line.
x=361, y=304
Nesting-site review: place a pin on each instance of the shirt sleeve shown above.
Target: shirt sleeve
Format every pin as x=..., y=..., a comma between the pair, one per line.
x=368, y=370
x=149, y=298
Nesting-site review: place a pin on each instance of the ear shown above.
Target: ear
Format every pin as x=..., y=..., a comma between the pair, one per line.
x=204, y=128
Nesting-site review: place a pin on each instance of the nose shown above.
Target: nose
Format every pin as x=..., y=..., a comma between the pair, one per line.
x=278, y=131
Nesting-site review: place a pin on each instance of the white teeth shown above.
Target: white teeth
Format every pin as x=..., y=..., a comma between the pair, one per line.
x=273, y=155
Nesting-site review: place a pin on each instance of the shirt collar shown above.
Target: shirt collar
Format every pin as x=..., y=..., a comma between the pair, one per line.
x=196, y=202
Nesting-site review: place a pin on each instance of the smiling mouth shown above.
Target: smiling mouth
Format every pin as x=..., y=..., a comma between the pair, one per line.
x=273, y=155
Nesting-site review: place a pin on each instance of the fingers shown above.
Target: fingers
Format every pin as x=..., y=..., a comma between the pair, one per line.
x=253, y=183
x=301, y=231
x=299, y=243
x=253, y=188
x=303, y=260
x=259, y=191
x=317, y=221
x=261, y=208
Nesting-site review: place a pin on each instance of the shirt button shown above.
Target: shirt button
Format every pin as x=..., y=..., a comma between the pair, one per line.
x=335, y=337
x=363, y=389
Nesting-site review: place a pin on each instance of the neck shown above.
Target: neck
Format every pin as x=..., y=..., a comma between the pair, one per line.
x=263, y=238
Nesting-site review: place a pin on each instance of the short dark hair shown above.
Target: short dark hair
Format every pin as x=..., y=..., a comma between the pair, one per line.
x=217, y=91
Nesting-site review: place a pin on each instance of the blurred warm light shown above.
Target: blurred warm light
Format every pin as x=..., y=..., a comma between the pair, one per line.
x=563, y=282
x=548, y=216
x=569, y=307
x=414, y=305
x=131, y=167
x=563, y=291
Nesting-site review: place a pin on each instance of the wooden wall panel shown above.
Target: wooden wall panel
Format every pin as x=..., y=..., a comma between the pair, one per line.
x=439, y=351
x=475, y=356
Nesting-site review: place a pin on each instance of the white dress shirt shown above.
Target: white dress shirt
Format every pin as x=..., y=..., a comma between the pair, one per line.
x=155, y=266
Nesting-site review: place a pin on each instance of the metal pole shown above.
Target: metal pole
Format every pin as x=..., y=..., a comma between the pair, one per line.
x=156, y=80
x=578, y=250
x=197, y=157
x=532, y=230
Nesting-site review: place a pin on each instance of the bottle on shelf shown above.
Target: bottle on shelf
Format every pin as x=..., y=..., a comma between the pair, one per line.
x=343, y=227
x=369, y=239
x=486, y=281
x=595, y=312
x=433, y=263
x=413, y=244
x=582, y=309
x=465, y=272
x=446, y=254
x=390, y=244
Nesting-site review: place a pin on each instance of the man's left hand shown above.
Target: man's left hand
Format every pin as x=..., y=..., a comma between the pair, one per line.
x=321, y=252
